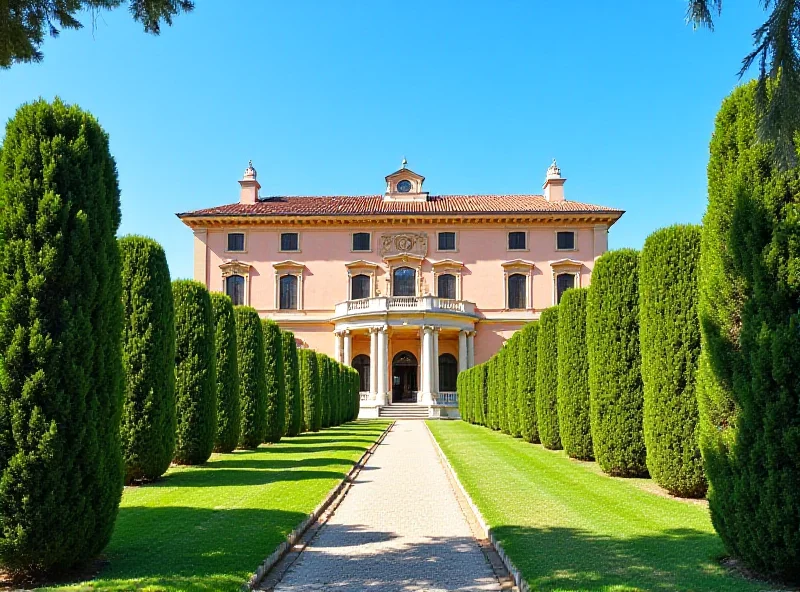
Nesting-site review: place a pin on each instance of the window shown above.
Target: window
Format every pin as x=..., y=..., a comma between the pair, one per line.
x=359, y=287
x=516, y=291
x=361, y=364
x=448, y=371
x=516, y=241
x=404, y=280
x=288, y=299
x=361, y=241
x=289, y=241
x=236, y=241
x=447, y=241
x=565, y=241
x=234, y=287
x=564, y=281
x=446, y=287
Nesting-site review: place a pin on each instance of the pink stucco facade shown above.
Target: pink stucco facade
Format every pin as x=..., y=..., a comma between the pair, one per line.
x=401, y=311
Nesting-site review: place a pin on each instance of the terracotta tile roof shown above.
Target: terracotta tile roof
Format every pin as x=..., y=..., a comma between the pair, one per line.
x=368, y=205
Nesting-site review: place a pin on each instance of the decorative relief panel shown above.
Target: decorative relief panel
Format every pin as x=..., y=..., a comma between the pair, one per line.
x=404, y=243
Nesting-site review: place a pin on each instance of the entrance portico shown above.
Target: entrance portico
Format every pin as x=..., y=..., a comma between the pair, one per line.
x=409, y=337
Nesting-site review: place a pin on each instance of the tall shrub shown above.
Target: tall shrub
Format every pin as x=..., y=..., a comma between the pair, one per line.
x=148, y=357
x=324, y=390
x=670, y=343
x=526, y=360
x=274, y=374
x=573, y=376
x=480, y=394
x=229, y=423
x=512, y=390
x=195, y=373
x=547, y=379
x=615, y=381
x=61, y=377
x=252, y=377
x=291, y=372
x=309, y=388
x=749, y=372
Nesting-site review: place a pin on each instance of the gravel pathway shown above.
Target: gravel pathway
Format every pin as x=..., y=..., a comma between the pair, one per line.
x=400, y=527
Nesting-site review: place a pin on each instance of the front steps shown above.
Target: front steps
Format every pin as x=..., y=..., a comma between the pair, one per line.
x=404, y=411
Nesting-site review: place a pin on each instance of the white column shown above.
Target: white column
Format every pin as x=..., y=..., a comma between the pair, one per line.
x=462, y=351
x=383, y=362
x=348, y=348
x=425, y=368
x=435, y=386
x=373, y=363
x=338, y=347
x=470, y=349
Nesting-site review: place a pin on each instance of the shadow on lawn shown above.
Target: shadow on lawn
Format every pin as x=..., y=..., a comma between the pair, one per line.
x=572, y=559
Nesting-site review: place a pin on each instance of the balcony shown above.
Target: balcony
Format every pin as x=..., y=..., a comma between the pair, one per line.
x=384, y=304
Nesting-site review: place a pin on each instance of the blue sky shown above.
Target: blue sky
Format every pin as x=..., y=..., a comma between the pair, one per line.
x=327, y=97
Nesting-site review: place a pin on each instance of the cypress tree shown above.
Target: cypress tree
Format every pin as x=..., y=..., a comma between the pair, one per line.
x=480, y=396
x=324, y=390
x=229, y=422
x=512, y=390
x=195, y=373
x=526, y=359
x=291, y=371
x=148, y=353
x=670, y=343
x=502, y=393
x=274, y=378
x=309, y=388
x=749, y=371
x=547, y=379
x=615, y=380
x=491, y=394
x=573, y=376
x=61, y=376
x=252, y=377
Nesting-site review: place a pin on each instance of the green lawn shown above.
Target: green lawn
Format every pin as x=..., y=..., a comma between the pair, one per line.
x=209, y=527
x=566, y=526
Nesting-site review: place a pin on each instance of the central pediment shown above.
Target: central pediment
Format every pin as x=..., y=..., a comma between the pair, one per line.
x=405, y=185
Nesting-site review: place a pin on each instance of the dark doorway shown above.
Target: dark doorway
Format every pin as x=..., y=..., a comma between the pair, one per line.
x=404, y=378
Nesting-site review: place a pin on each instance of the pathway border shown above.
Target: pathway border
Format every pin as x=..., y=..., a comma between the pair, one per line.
x=293, y=537
x=521, y=584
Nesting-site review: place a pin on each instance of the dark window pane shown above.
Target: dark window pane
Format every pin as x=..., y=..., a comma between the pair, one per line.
x=289, y=241
x=404, y=282
x=564, y=282
x=447, y=286
x=448, y=370
x=359, y=286
x=288, y=300
x=234, y=287
x=565, y=240
x=516, y=291
x=236, y=241
x=447, y=241
x=516, y=240
x=361, y=241
x=361, y=364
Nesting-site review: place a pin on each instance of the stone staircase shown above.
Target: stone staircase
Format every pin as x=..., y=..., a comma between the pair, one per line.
x=404, y=411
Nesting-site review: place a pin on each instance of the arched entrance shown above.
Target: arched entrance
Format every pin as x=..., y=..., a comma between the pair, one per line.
x=404, y=377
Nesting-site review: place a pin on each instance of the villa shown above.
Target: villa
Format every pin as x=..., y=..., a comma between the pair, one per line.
x=409, y=288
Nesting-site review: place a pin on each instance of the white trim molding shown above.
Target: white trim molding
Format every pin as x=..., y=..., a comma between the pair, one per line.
x=235, y=267
x=284, y=268
x=448, y=266
x=362, y=267
x=565, y=266
x=522, y=267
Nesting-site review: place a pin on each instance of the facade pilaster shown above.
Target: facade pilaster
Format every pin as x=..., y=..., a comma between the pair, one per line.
x=348, y=347
x=435, y=385
x=425, y=368
x=373, y=363
x=338, y=346
x=462, y=351
x=383, y=363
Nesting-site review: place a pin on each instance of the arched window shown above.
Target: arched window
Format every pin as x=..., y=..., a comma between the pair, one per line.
x=404, y=282
x=361, y=364
x=448, y=370
x=446, y=287
x=359, y=286
x=234, y=287
x=288, y=300
x=564, y=281
x=516, y=291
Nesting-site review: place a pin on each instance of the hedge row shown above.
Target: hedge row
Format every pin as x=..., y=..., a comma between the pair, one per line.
x=576, y=378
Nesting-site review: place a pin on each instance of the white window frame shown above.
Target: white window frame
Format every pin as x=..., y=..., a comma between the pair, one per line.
x=352, y=239
x=568, y=266
x=361, y=267
x=455, y=247
x=448, y=266
x=527, y=241
x=518, y=266
x=243, y=233
x=288, y=268
x=280, y=241
x=234, y=267
x=574, y=239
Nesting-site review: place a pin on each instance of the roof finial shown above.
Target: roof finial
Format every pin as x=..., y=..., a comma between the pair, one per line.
x=250, y=172
x=404, y=163
x=553, y=172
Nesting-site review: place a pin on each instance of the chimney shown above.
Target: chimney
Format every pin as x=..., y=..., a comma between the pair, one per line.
x=554, y=184
x=250, y=186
